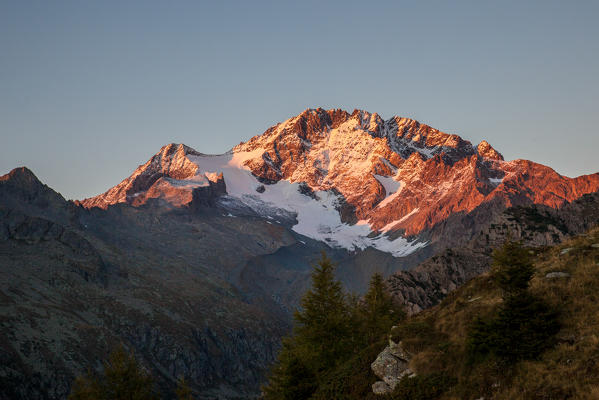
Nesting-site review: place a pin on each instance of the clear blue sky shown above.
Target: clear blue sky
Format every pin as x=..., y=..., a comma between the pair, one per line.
x=89, y=90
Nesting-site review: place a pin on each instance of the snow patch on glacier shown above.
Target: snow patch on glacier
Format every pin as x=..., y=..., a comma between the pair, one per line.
x=317, y=217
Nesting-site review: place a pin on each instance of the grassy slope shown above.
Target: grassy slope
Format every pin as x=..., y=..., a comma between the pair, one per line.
x=570, y=369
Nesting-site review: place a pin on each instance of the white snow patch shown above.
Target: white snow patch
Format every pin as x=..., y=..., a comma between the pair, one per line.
x=317, y=219
x=391, y=224
x=199, y=180
x=389, y=183
x=408, y=215
x=495, y=181
x=392, y=188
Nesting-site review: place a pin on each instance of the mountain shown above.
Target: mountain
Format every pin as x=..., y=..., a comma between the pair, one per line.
x=196, y=261
x=350, y=180
x=74, y=283
x=191, y=291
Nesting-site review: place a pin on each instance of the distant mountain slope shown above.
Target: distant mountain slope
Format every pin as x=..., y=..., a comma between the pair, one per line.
x=77, y=282
x=535, y=225
x=194, y=290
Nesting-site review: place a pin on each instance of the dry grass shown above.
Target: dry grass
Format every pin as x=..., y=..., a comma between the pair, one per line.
x=569, y=370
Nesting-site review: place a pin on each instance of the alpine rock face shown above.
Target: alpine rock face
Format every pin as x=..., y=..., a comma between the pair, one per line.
x=352, y=181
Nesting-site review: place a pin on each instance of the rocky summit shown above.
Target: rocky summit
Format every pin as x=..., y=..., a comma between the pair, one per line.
x=195, y=262
x=351, y=180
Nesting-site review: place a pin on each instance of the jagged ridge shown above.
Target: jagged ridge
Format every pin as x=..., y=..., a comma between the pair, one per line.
x=389, y=177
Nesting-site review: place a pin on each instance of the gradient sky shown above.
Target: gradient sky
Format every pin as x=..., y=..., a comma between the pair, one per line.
x=89, y=90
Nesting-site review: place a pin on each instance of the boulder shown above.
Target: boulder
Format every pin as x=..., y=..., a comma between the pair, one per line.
x=381, y=387
x=390, y=366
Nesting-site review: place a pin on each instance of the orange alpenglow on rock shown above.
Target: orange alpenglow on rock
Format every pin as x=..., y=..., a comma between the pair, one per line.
x=351, y=179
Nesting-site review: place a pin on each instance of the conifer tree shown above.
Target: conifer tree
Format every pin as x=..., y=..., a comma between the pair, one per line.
x=379, y=311
x=524, y=325
x=322, y=323
x=290, y=378
x=121, y=379
x=320, y=340
x=512, y=268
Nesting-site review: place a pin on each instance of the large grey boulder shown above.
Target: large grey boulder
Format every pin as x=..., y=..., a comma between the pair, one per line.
x=390, y=366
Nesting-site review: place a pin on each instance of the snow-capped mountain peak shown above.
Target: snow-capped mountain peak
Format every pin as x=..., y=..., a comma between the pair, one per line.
x=351, y=180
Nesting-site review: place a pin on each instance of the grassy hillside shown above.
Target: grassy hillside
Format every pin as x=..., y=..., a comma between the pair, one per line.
x=437, y=339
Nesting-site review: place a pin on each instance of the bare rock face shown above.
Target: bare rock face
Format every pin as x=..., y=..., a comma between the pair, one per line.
x=21, y=228
x=21, y=190
x=429, y=282
x=206, y=196
x=153, y=179
x=487, y=151
x=390, y=366
x=582, y=214
x=21, y=183
x=380, y=388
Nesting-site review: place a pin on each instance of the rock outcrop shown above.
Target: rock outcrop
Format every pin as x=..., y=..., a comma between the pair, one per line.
x=535, y=225
x=157, y=178
x=207, y=196
x=390, y=366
